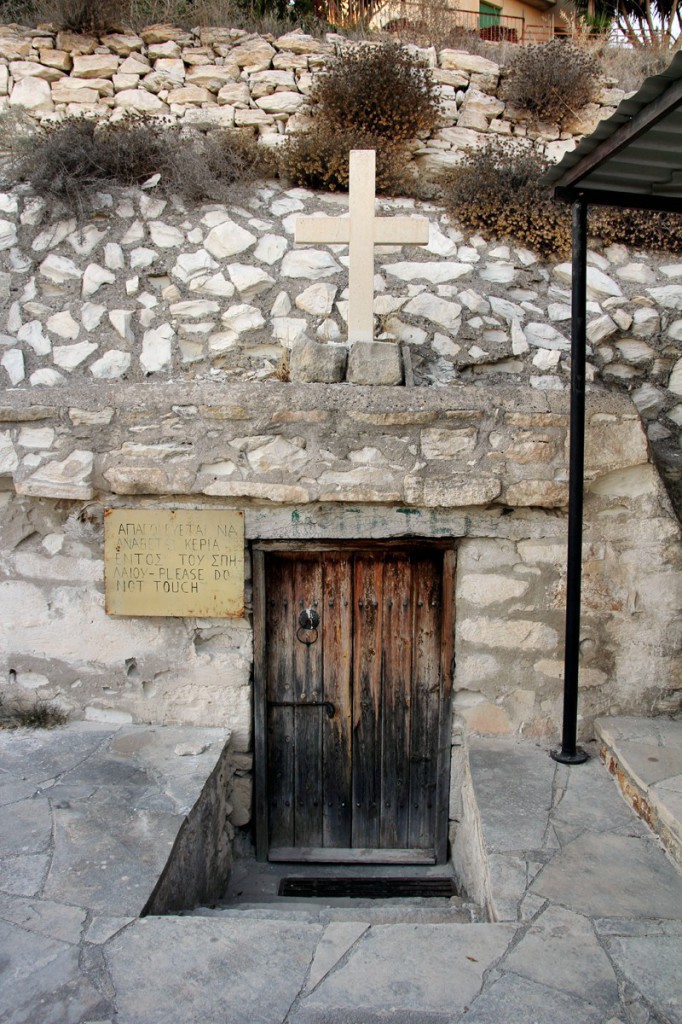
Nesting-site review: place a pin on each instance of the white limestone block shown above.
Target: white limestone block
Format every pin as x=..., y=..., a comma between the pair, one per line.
x=113, y=364
x=214, y=284
x=64, y=325
x=165, y=236
x=281, y=102
x=221, y=341
x=309, y=263
x=91, y=314
x=140, y=99
x=599, y=284
x=32, y=334
x=432, y=308
x=68, y=478
x=243, y=318
x=9, y=460
x=318, y=299
x=270, y=248
x=460, y=60
x=60, y=269
x=192, y=264
x=288, y=330
x=212, y=77
x=94, y=277
x=646, y=322
x=33, y=94
x=13, y=362
x=71, y=356
x=134, y=234
x=634, y=351
x=436, y=272
x=113, y=256
x=668, y=296
x=249, y=281
x=546, y=359
x=439, y=244
x=601, y=329
x=142, y=257
x=96, y=65
x=151, y=206
x=542, y=335
x=46, y=377
x=53, y=235
x=282, y=305
x=156, y=348
x=8, y=234
x=122, y=322
x=637, y=273
x=675, y=381
x=227, y=239
x=85, y=239
x=194, y=308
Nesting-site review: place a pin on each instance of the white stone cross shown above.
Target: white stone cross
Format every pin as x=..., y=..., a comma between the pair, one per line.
x=361, y=232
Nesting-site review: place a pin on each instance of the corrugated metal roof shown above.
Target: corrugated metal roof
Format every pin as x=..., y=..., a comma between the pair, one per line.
x=635, y=156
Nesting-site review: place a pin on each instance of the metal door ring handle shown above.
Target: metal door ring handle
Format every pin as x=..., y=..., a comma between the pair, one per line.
x=309, y=635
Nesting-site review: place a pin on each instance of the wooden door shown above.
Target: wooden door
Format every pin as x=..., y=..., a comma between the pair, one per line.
x=353, y=681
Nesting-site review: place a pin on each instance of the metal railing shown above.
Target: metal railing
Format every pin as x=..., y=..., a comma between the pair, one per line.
x=417, y=15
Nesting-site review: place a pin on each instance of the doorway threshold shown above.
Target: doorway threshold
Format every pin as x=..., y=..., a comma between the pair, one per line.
x=255, y=889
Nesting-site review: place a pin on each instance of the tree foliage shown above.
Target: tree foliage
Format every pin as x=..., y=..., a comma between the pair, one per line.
x=654, y=23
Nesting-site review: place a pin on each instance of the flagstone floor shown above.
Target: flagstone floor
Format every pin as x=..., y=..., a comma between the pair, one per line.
x=587, y=904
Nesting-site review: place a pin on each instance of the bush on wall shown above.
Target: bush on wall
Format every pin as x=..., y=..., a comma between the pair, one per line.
x=552, y=81
x=67, y=162
x=385, y=90
x=497, y=192
x=318, y=159
x=369, y=97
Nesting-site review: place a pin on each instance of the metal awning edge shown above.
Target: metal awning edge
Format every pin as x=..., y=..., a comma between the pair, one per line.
x=629, y=108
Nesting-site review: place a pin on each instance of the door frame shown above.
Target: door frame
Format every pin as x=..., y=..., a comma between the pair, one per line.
x=447, y=670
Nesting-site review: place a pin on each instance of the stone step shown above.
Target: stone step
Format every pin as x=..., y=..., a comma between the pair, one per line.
x=645, y=757
x=375, y=912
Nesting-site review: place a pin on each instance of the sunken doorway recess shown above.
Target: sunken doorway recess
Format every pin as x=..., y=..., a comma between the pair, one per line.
x=353, y=681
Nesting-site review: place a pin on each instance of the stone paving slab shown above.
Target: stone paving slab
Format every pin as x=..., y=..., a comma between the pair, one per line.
x=645, y=755
x=589, y=906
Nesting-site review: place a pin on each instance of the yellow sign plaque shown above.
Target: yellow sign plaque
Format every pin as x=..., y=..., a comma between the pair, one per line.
x=174, y=562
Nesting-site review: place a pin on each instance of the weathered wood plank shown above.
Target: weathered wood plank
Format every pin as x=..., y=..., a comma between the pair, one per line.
x=354, y=855
x=280, y=687
x=395, y=704
x=367, y=701
x=336, y=614
x=426, y=690
x=447, y=671
x=308, y=719
x=259, y=707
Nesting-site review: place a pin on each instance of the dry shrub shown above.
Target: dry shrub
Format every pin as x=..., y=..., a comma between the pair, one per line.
x=88, y=16
x=67, y=162
x=41, y=714
x=552, y=81
x=383, y=90
x=318, y=159
x=496, y=191
x=638, y=229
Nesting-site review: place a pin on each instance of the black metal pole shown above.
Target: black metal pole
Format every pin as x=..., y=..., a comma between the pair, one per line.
x=570, y=753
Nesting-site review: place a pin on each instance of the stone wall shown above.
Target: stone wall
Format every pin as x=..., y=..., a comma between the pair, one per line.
x=149, y=290
x=224, y=78
x=145, y=358
x=333, y=462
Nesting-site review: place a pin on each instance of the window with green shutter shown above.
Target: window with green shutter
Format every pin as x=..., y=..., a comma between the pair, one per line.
x=488, y=14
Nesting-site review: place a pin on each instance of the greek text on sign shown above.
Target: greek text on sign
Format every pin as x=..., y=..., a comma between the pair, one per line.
x=174, y=562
